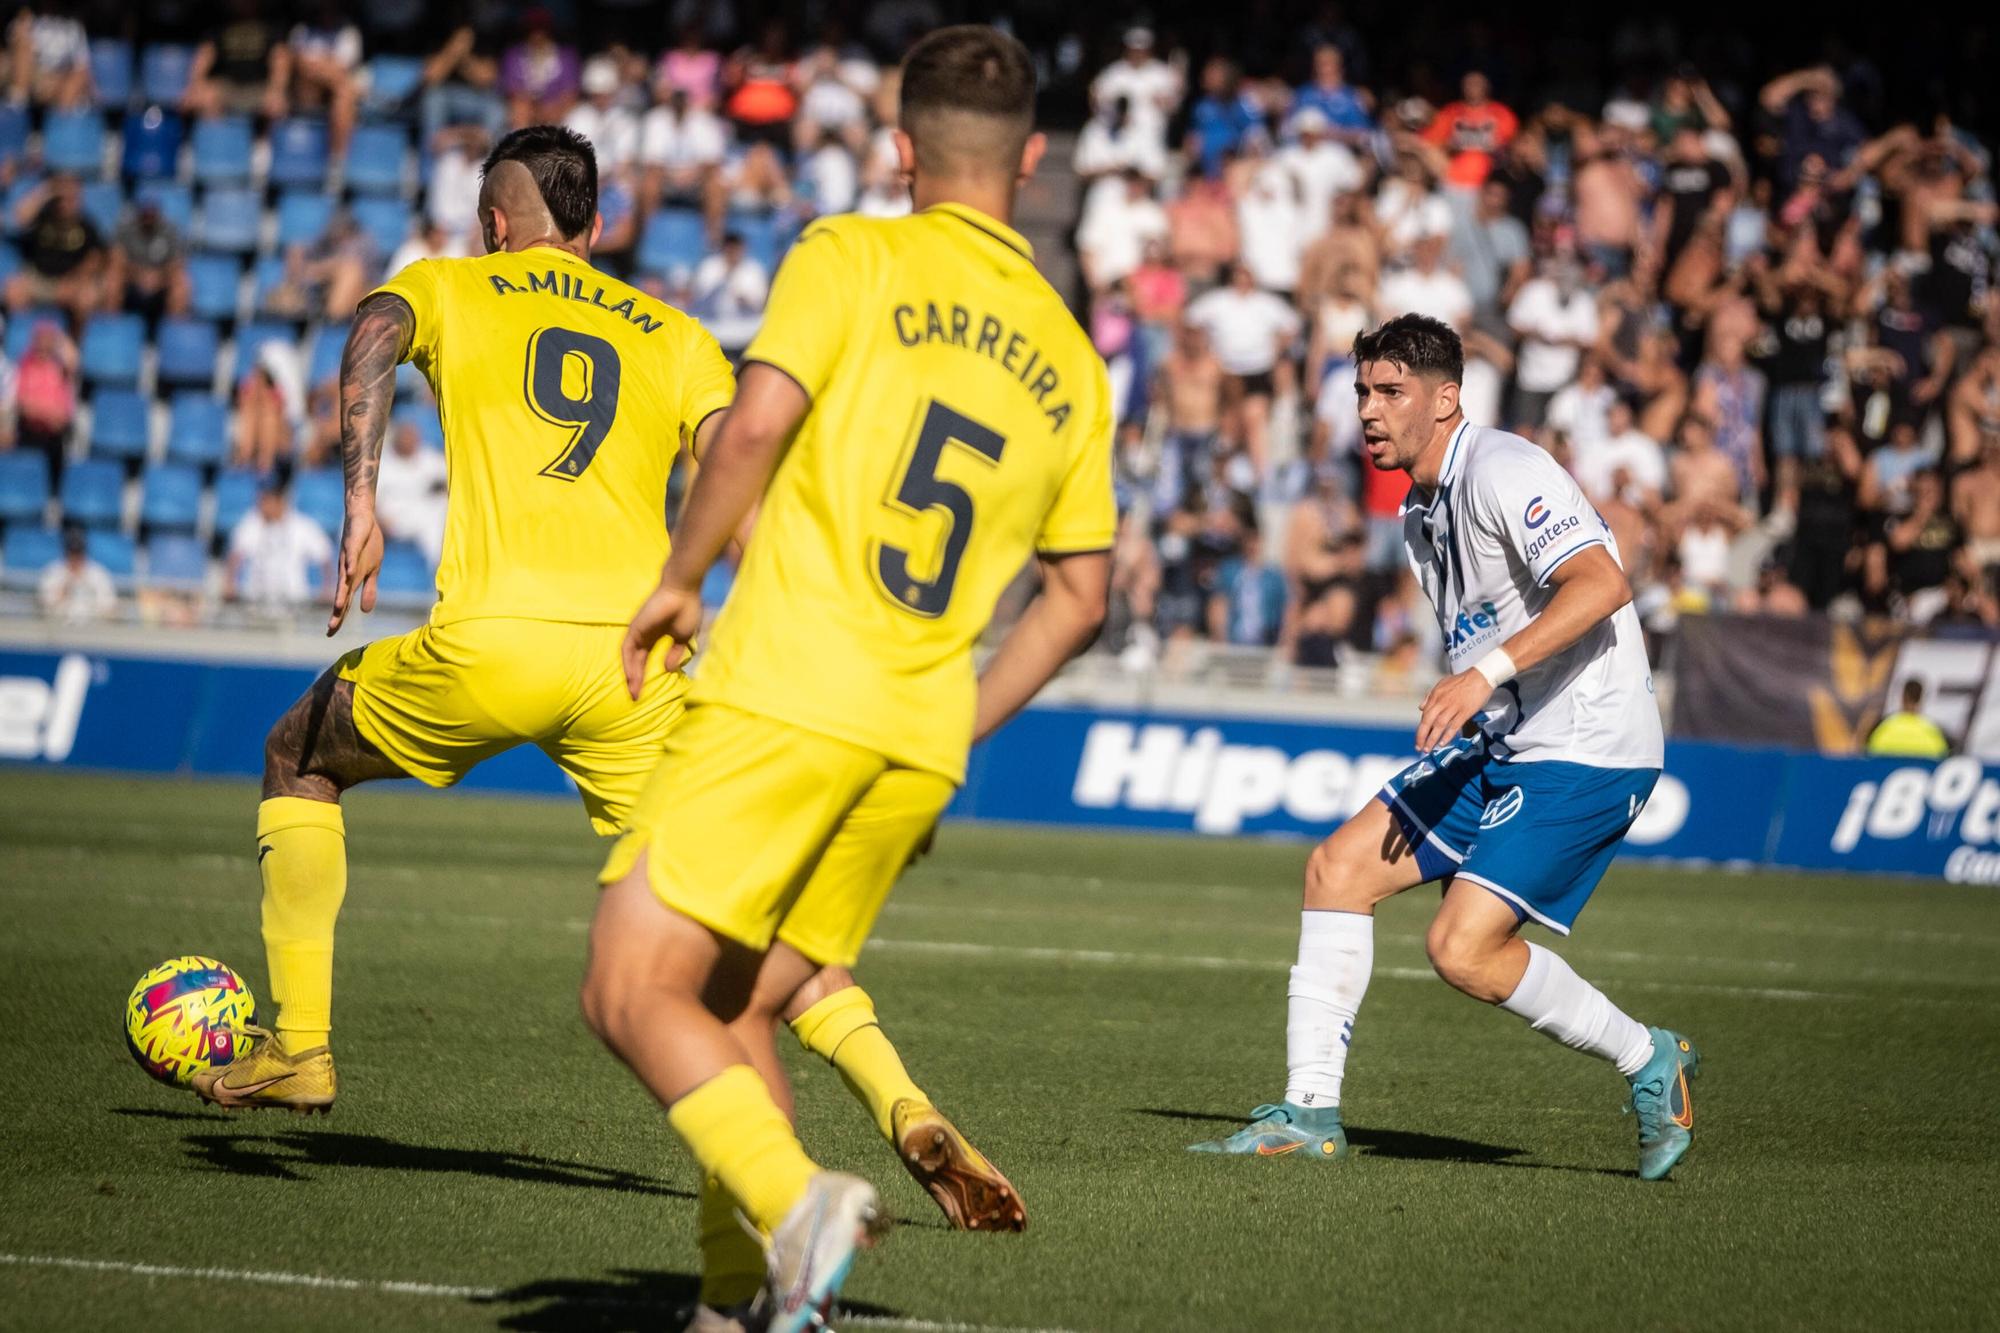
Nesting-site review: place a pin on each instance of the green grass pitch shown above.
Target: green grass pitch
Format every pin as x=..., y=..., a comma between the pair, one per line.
x=1084, y=1005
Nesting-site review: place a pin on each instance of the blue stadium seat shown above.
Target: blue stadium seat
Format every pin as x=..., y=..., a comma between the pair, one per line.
x=175, y=560
x=766, y=235
x=387, y=222
x=321, y=495
x=298, y=153
x=302, y=218
x=176, y=202
x=411, y=388
x=674, y=239
x=10, y=260
x=254, y=335
x=170, y=498
x=13, y=131
x=21, y=329
x=111, y=72
x=24, y=487
x=73, y=141
x=375, y=159
x=235, y=494
x=406, y=580
x=214, y=280
x=120, y=424
x=26, y=553
x=222, y=150
x=111, y=347
x=198, y=430
x=93, y=493
x=229, y=221
x=189, y=350
x=323, y=361
x=392, y=81
x=268, y=273
x=163, y=73
x=152, y=144
x=115, y=551
x=104, y=205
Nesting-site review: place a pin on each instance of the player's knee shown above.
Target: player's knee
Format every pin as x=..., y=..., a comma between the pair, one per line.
x=1462, y=958
x=1337, y=875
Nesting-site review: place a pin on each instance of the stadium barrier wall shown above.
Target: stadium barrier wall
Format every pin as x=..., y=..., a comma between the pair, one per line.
x=1716, y=803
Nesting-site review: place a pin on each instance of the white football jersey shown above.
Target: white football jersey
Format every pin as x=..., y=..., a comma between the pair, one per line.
x=1503, y=518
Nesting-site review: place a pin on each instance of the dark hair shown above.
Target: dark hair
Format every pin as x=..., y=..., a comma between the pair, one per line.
x=973, y=69
x=564, y=167
x=1415, y=342
x=1913, y=692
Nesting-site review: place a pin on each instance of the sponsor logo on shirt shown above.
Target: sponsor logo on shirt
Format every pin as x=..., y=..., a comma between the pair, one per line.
x=1472, y=625
x=1536, y=513
x=1567, y=523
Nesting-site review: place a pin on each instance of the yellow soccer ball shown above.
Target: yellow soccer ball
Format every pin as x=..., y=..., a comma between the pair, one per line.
x=187, y=1015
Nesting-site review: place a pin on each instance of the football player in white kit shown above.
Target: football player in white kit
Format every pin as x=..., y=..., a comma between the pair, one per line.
x=1519, y=812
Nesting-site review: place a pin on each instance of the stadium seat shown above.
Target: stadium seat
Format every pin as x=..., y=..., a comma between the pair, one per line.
x=268, y=273
x=111, y=72
x=230, y=220
x=198, y=430
x=115, y=551
x=21, y=329
x=93, y=493
x=254, y=335
x=176, y=202
x=235, y=493
x=24, y=487
x=674, y=241
x=120, y=424
x=392, y=82
x=104, y=205
x=766, y=235
x=189, y=350
x=323, y=362
x=111, y=348
x=214, y=280
x=298, y=153
x=152, y=144
x=302, y=217
x=406, y=580
x=375, y=159
x=13, y=132
x=73, y=141
x=26, y=552
x=170, y=498
x=10, y=260
x=163, y=73
x=222, y=150
x=387, y=222
x=175, y=560
x=321, y=495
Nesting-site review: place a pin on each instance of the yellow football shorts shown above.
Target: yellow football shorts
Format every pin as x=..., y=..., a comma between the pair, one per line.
x=762, y=830
x=443, y=698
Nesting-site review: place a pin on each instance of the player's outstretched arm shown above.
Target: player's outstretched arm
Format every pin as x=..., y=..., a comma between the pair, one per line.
x=1590, y=587
x=376, y=344
x=735, y=468
x=1056, y=627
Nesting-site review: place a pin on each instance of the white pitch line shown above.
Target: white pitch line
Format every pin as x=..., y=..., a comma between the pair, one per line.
x=439, y=1290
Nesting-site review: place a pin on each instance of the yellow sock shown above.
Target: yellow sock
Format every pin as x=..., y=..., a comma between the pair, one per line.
x=740, y=1137
x=842, y=1030
x=302, y=856
x=732, y=1262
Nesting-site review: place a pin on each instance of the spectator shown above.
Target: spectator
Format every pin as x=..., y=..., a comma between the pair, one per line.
x=45, y=395
x=1189, y=386
x=688, y=70
x=1581, y=410
x=1693, y=187
x=756, y=182
x=461, y=87
x=1249, y=330
x=428, y=240
x=759, y=92
x=148, y=263
x=327, y=278
x=1703, y=476
x=730, y=288
x=1247, y=607
x=49, y=55
x=1202, y=236
x=681, y=143
x=1426, y=287
x=1491, y=249
x=1829, y=519
x=1150, y=88
x=1627, y=463
x=1320, y=166
x=1268, y=216
x=1796, y=371
x=1730, y=393
x=1555, y=317
x=1221, y=119
x=326, y=69
x=538, y=75
x=1111, y=241
x=270, y=409
x=1472, y=130
x=1608, y=192
x=1922, y=547
x=1907, y=733
x=1346, y=109
x=241, y=67
x=1773, y=594
x=1813, y=122
x=278, y=558
x=410, y=491
x=451, y=180
x=76, y=590
x=610, y=125
x=63, y=255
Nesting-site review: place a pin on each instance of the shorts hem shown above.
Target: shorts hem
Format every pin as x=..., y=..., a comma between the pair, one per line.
x=643, y=858
x=1514, y=900
x=1397, y=806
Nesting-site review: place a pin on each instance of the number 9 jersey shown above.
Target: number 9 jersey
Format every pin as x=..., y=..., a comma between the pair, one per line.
x=565, y=396
x=960, y=422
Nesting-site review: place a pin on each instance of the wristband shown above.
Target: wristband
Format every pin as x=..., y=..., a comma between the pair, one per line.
x=1496, y=666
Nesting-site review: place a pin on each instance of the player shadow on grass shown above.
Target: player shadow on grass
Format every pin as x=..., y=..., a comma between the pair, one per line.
x=277, y=1157
x=627, y=1299
x=1406, y=1145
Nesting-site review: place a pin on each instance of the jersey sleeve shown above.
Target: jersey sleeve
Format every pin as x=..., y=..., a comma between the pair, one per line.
x=1538, y=511
x=707, y=382
x=1084, y=516
x=417, y=284
x=812, y=301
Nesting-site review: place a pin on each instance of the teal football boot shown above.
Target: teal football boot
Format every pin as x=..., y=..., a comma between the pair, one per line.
x=1661, y=1100
x=1305, y=1132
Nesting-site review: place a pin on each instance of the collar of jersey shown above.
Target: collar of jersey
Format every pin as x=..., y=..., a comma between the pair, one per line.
x=570, y=255
x=1454, y=462
x=993, y=227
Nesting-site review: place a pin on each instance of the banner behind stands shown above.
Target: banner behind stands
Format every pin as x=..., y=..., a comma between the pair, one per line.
x=1115, y=770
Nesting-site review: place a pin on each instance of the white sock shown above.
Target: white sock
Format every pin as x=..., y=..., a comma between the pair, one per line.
x=1555, y=1000
x=1336, y=954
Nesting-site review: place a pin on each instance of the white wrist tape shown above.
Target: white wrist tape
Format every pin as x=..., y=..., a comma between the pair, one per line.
x=1497, y=667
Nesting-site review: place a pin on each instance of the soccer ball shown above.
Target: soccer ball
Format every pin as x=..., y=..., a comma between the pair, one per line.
x=188, y=1015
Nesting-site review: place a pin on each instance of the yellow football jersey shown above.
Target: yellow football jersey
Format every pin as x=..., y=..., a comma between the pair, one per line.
x=960, y=421
x=565, y=396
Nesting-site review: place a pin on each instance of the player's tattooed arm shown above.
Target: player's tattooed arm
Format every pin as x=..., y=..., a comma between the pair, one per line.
x=378, y=342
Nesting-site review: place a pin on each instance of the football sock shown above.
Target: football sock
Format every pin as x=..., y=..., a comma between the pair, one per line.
x=1336, y=954
x=302, y=857
x=740, y=1137
x=1555, y=1000
x=842, y=1030
x=732, y=1262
